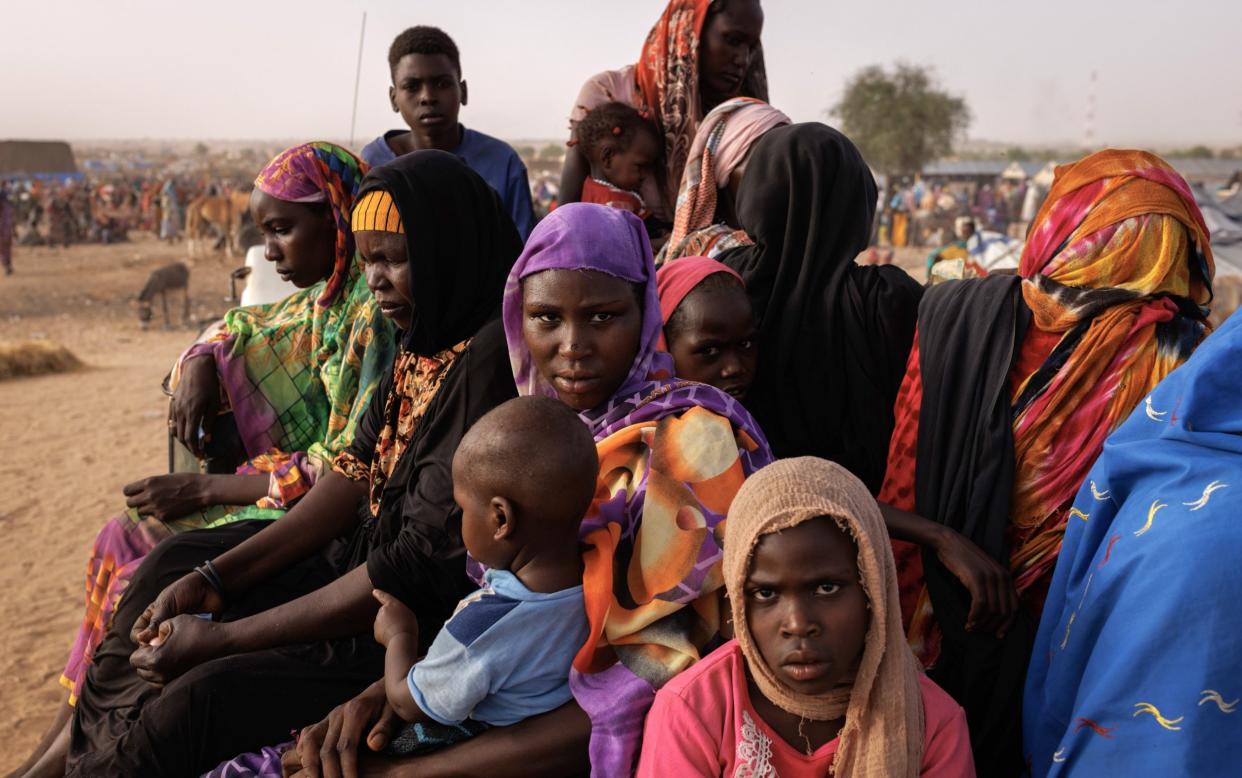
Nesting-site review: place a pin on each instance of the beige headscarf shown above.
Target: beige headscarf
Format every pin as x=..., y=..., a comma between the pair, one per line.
x=884, y=731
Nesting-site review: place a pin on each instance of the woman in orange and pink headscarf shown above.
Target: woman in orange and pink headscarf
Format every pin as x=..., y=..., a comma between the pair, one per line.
x=698, y=55
x=1011, y=388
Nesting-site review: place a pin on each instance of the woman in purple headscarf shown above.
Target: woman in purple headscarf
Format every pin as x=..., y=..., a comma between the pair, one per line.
x=582, y=318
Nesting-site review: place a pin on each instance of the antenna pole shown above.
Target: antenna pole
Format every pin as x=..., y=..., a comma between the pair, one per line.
x=353, y=117
x=1089, y=129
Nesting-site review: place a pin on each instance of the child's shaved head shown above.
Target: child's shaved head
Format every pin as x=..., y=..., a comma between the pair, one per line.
x=538, y=454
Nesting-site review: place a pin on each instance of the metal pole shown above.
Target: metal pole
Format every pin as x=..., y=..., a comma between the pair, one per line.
x=353, y=118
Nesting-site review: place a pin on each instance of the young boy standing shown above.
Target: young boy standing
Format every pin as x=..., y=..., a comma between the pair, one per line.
x=428, y=91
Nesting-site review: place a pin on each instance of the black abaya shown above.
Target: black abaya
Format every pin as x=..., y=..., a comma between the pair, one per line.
x=833, y=336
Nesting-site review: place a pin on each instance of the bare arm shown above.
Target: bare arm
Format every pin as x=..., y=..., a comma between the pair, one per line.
x=172, y=646
x=173, y=495
x=226, y=489
x=573, y=173
x=911, y=527
x=552, y=744
x=327, y=511
x=400, y=656
x=340, y=609
x=396, y=629
x=993, y=599
x=195, y=401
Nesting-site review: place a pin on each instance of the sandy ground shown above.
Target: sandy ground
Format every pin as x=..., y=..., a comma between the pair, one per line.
x=72, y=441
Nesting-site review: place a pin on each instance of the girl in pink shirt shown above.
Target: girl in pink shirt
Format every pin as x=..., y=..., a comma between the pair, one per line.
x=819, y=678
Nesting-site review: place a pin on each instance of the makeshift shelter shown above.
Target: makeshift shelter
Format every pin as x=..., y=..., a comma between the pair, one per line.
x=1022, y=171
x=37, y=159
x=1232, y=205
x=1211, y=172
x=976, y=171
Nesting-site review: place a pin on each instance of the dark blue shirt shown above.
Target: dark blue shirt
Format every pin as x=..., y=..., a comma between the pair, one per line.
x=494, y=160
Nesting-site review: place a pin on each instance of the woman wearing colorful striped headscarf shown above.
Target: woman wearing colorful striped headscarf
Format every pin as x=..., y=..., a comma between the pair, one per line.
x=296, y=375
x=698, y=55
x=1011, y=388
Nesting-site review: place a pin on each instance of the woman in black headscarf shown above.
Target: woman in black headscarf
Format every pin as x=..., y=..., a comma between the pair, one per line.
x=292, y=604
x=833, y=336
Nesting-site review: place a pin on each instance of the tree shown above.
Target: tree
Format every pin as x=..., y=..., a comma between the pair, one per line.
x=900, y=120
x=1196, y=152
x=552, y=151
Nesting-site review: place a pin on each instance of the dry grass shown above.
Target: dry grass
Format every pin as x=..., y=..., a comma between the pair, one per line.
x=35, y=357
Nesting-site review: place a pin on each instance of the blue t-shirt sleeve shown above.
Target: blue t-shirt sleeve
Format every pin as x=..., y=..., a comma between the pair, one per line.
x=377, y=152
x=450, y=682
x=518, y=197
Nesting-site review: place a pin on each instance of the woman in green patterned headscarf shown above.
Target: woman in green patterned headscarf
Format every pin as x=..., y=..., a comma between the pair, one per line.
x=296, y=375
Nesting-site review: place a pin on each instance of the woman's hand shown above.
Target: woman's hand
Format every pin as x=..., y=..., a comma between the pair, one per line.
x=180, y=644
x=195, y=402
x=188, y=594
x=330, y=748
x=993, y=599
x=168, y=497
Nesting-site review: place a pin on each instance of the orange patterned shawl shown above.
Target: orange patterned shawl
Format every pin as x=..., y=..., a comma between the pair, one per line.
x=1119, y=249
x=668, y=80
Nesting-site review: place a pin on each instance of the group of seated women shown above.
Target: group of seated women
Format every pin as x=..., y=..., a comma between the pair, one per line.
x=538, y=507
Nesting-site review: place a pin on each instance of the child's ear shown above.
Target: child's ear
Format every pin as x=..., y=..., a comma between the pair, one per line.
x=607, y=154
x=465, y=93
x=392, y=99
x=504, y=518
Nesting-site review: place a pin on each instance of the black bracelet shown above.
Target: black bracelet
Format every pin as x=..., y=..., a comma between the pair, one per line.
x=211, y=568
x=208, y=571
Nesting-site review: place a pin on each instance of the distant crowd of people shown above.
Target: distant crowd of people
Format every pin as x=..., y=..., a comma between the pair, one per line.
x=922, y=213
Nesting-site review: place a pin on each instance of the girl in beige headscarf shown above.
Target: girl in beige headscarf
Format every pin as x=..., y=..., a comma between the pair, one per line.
x=819, y=677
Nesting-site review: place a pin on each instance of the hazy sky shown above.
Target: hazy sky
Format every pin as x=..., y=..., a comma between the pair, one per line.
x=1168, y=73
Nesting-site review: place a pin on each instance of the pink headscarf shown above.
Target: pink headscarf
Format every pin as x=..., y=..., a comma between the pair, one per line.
x=723, y=139
x=677, y=279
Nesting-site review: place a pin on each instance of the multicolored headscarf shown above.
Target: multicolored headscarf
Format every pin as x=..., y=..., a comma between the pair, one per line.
x=315, y=173
x=723, y=140
x=1120, y=263
x=668, y=79
x=1009, y=393
x=672, y=455
x=299, y=373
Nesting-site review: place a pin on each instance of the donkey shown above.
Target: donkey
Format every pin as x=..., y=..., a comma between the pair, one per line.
x=160, y=282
